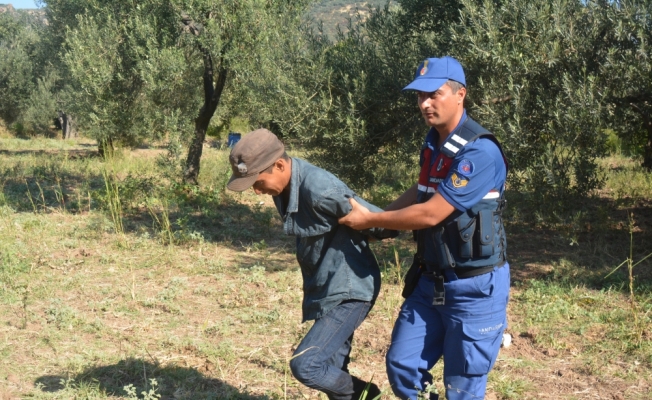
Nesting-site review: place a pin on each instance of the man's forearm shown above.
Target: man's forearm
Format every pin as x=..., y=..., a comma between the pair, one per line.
x=416, y=216
x=408, y=198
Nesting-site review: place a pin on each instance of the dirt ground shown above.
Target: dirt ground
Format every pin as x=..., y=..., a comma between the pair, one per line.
x=86, y=312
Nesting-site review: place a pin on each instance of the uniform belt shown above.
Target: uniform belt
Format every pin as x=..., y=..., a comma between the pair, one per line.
x=462, y=272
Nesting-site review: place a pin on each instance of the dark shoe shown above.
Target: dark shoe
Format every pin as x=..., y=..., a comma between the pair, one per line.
x=359, y=387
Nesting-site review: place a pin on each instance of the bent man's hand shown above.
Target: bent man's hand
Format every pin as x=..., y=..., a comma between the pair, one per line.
x=358, y=218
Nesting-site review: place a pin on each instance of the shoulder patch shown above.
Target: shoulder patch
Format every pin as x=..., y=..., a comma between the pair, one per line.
x=465, y=167
x=458, y=181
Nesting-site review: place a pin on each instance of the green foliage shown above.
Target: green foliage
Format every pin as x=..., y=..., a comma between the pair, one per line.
x=626, y=75
x=41, y=106
x=137, y=70
x=29, y=81
x=534, y=79
x=118, y=54
x=538, y=92
x=16, y=51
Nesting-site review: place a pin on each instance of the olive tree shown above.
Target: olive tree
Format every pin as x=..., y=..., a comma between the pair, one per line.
x=144, y=69
x=532, y=74
x=532, y=70
x=116, y=52
x=626, y=75
x=237, y=42
x=17, y=41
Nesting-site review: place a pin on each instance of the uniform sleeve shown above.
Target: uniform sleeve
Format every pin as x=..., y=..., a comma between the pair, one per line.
x=473, y=174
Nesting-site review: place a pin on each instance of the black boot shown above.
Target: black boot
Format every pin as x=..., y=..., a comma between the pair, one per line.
x=359, y=387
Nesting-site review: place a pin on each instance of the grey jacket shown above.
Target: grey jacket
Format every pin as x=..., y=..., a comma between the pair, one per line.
x=336, y=261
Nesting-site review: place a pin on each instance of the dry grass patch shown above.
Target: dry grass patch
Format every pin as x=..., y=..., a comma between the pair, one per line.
x=214, y=313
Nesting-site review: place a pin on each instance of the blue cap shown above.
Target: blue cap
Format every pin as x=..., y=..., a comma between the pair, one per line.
x=434, y=72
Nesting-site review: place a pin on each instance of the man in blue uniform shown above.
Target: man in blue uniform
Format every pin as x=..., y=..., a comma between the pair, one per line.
x=458, y=287
x=341, y=278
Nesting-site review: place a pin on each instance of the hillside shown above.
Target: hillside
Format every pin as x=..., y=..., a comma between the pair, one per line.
x=33, y=14
x=334, y=13
x=6, y=8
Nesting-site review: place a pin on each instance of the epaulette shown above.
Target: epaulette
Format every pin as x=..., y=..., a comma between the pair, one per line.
x=469, y=131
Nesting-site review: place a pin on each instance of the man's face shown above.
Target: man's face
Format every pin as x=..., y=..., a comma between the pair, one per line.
x=271, y=182
x=439, y=108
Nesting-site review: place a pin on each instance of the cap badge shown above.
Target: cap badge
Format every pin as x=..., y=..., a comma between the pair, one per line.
x=424, y=70
x=242, y=168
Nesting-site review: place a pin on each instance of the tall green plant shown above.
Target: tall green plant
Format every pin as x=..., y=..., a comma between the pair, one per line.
x=236, y=40
x=113, y=202
x=17, y=42
x=149, y=69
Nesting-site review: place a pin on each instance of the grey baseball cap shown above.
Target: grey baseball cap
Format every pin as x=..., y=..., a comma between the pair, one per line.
x=253, y=154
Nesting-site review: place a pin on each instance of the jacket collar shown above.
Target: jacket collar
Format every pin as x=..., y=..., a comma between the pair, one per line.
x=295, y=181
x=293, y=198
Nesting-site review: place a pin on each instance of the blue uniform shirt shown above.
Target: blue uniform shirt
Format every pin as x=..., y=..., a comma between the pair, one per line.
x=478, y=168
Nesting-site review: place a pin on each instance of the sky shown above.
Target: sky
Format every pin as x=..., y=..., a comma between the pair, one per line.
x=20, y=3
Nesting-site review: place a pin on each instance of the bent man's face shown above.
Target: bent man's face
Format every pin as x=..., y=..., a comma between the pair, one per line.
x=269, y=183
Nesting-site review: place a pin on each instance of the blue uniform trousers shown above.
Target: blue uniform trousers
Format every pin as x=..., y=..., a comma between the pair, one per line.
x=467, y=331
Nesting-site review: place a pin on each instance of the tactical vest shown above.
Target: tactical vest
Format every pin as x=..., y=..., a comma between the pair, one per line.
x=473, y=238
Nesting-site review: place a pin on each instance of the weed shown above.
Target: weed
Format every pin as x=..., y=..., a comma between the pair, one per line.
x=640, y=324
x=113, y=201
x=425, y=393
x=58, y=192
x=31, y=198
x=173, y=289
x=40, y=190
x=62, y=316
x=163, y=222
x=393, y=274
x=150, y=394
x=264, y=216
x=510, y=387
x=254, y=274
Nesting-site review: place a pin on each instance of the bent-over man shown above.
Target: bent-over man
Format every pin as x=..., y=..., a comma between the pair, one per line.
x=341, y=278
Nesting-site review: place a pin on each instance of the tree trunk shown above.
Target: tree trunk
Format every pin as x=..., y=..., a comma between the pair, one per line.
x=65, y=123
x=212, y=95
x=68, y=127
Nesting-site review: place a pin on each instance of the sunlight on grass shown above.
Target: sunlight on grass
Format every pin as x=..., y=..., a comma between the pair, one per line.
x=203, y=293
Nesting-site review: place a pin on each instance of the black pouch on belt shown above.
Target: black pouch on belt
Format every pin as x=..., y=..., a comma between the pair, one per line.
x=411, y=278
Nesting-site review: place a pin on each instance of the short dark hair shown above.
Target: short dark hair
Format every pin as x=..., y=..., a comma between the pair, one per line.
x=454, y=85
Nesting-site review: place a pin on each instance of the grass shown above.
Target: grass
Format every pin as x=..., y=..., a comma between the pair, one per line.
x=199, y=296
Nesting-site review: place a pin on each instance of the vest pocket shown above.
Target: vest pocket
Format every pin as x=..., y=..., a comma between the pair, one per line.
x=466, y=229
x=485, y=233
x=444, y=257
